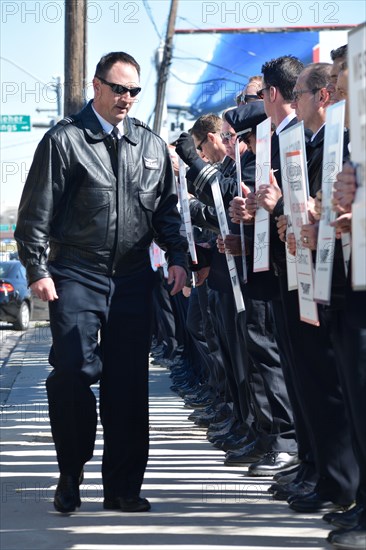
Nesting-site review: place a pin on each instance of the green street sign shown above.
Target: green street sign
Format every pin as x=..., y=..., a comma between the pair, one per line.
x=15, y=123
x=7, y=227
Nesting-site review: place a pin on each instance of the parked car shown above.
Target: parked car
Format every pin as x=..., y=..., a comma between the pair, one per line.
x=16, y=301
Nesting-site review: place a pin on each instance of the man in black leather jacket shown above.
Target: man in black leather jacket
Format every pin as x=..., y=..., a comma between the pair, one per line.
x=100, y=189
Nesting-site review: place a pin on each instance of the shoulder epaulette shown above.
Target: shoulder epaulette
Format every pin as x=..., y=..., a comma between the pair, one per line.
x=66, y=120
x=140, y=123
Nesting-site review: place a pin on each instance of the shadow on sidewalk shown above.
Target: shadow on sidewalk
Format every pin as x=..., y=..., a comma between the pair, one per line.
x=197, y=502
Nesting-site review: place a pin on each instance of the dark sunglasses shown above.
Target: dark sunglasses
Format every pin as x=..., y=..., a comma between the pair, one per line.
x=199, y=146
x=260, y=93
x=246, y=98
x=119, y=89
x=296, y=94
x=227, y=136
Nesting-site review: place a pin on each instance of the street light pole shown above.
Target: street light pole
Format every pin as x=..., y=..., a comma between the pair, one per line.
x=164, y=67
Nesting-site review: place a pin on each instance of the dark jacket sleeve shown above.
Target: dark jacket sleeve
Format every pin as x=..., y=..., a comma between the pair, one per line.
x=41, y=196
x=203, y=216
x=202, y=175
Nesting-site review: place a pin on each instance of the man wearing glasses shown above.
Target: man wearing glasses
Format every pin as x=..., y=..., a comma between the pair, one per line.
x=324, y=481
x=271, y=448
x=228, y=137
x=100, y=188
x=335, y=463
x=249, y=93
x=206, y=136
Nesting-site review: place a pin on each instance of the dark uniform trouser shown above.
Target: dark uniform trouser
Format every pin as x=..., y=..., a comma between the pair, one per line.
x=230, y=330
x=303, y=436
x=165, y=322
x=270, y=400
x=200, y=328
x=350, y=345
x=317, y=386
x=121, y=309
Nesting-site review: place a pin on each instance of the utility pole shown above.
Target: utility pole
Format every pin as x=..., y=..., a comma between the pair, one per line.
x=164, y=67
x=75, y=55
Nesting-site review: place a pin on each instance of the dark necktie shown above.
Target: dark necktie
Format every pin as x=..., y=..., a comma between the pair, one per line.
x=115, y=137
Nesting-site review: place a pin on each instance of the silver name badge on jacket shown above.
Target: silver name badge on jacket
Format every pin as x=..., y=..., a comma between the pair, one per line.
x=151, y=164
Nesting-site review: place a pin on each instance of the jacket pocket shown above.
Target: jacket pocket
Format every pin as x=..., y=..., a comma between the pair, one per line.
x=89, y=221
x=147, y=199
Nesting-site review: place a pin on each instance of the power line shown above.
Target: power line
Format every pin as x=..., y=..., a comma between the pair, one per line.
x=150, y=16
x=222, y=40
x=209, y=63
x=205, y=81
x=24, y=70
x=188, y=21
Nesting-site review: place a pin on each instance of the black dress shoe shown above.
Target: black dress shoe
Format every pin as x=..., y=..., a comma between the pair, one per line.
x=291, y=472
x=248, y=446
x=229, y=442
x=300, y=488
x=233, y=442
x=345, y=520
x=219, y=427
x=219, y=436
x=286, y=478
x=111, y=504
x=249, y=455
x=67, y=495
x=204, y=421
x=207, y=419
x=132, y=504
x=313, y=503
x=199, y=403
x=349, y=539
x=283, y=482
x=208, y=413
x=272, y=463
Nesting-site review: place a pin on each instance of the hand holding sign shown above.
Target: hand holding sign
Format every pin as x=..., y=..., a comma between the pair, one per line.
x=238, y=210
x=268, y=195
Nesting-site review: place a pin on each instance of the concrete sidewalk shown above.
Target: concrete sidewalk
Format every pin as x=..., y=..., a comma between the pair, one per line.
x=197, y=502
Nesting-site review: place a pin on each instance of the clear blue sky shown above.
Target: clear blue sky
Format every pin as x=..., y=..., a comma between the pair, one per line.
x=32, y=52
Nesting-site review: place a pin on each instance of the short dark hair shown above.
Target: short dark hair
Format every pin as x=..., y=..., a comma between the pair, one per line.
x=205, y=124
x=318, y=75
x=338, y=53
x=282, y=73
x=108, y=60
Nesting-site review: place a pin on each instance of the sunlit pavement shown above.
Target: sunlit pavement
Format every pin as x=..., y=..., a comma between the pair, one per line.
x=197, y=502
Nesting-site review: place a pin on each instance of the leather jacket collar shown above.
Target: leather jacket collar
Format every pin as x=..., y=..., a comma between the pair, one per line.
x=95, y=132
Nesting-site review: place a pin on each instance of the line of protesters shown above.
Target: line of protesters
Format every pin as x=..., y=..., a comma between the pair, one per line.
x=280, y=396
